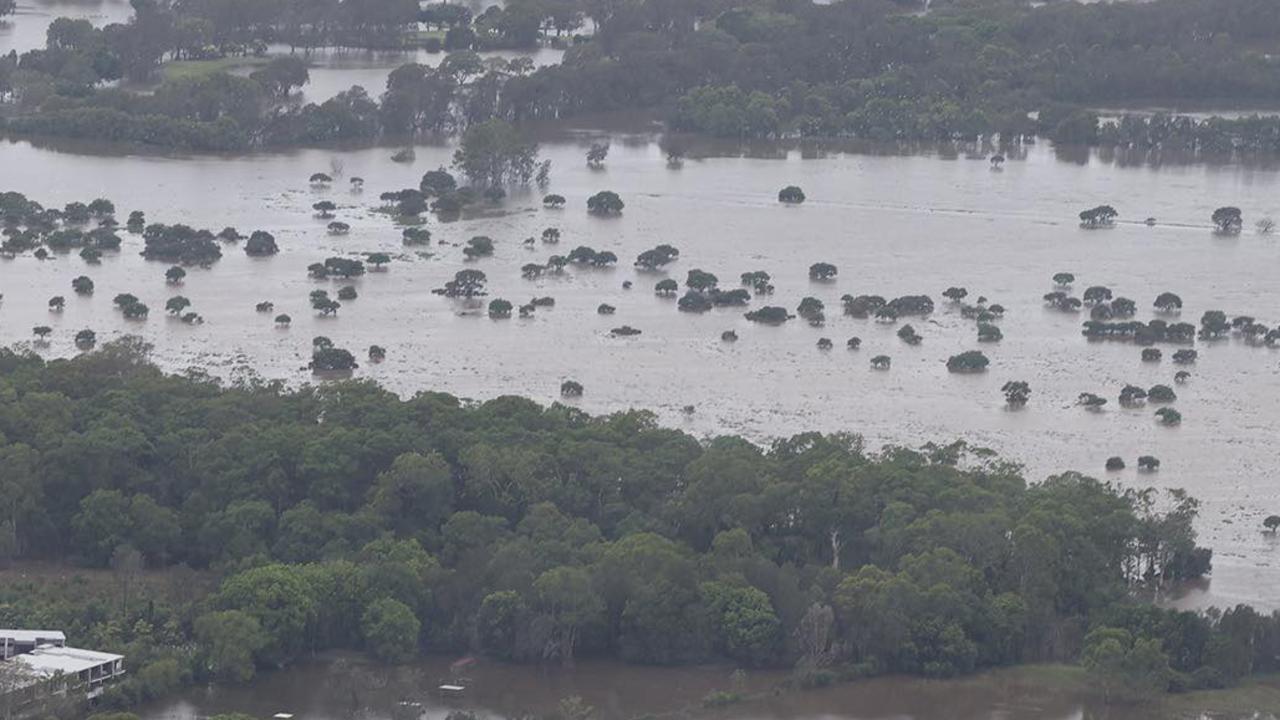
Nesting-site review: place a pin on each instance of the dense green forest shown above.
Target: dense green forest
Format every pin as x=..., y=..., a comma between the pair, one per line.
x=870, y=69
x=342, y=516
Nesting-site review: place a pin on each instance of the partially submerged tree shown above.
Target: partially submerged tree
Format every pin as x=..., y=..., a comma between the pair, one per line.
x=596, y=155
x=822, y=271
x=968, y=361
x=1016, y=393
x=791, y=195
x=769, y=315
x=499, y=309
x=1100, y=216
x=494, y=154
x=465, y=284
x=605, y=203
x=1091, y=401
x=1228, y=220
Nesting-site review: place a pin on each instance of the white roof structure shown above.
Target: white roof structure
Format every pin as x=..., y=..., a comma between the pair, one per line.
x=31, y=636
x=46, y=661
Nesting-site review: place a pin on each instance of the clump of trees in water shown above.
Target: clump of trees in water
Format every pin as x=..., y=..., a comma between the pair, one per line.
x=28, y=226
x=327, y=357
x=399, y=536
x=968, y=362
x=1098, y=217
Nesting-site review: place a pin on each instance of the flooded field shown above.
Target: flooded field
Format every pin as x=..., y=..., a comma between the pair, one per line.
x=894, y=225
x=348, y=687
x=25, y=29
x=332, y=70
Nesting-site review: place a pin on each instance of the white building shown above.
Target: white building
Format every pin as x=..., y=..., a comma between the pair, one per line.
x=63, y=670
x=18, y=642
x=37, y=667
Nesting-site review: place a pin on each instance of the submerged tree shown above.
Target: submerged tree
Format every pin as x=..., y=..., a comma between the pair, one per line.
x=596, y=155
x=1091, y=401
x=465, y=284
x=500, y=309
x=605, y=203
x=822, y=271
x=791, y=195
x=968, y=361
x=261, y=244
x=1228, y=220
x=657, y=257
x=493, y=154
x=1100, y=216
x=1016, y=393
x=769, y=315
x=666, y=288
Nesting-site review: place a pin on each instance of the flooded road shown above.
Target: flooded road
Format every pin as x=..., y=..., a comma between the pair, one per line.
x=894, y=225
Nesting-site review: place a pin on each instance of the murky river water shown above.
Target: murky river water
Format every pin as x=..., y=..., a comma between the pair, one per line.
x=348, y=687
x=892, y=224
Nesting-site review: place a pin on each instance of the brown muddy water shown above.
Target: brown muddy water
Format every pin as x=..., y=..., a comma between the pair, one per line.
x=892, y=224
x=347, y=687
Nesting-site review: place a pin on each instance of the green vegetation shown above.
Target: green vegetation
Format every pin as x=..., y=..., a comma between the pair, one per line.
x=177, y=70
x=398, y=525
x=763, y=70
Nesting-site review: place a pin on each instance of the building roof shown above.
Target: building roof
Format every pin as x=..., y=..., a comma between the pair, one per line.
x=49, y=661
x=30, y=636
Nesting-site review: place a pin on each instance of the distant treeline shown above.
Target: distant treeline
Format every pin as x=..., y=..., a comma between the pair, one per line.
x=763, y=69
x=344, y=516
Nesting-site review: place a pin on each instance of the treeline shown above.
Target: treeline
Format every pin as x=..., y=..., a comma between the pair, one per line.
x=763, y=69
x=343, y=516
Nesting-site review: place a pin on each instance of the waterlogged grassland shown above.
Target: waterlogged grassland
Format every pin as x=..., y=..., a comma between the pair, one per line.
x=196, y=69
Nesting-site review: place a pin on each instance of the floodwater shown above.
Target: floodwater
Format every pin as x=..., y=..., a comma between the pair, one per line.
x=25, y=29
x=894, y=225
x=345, y=686
x=332, y=70
x=335, y=70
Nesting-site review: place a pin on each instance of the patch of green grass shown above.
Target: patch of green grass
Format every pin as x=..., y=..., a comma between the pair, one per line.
x=182, y=69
